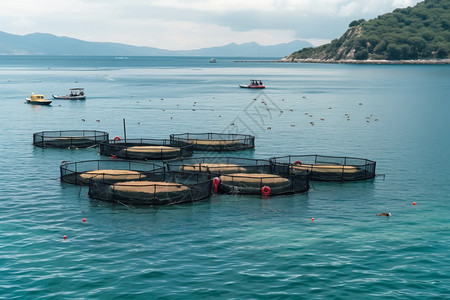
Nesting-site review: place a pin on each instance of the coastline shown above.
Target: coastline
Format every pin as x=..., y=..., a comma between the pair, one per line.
x=371, y=62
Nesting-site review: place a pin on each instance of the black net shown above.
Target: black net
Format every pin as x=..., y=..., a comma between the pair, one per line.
x=245, y=176
x=327, y=168
x=159, y=188
x=145, y=149
x=69, y=138
x=216, y=141
x=107, y=171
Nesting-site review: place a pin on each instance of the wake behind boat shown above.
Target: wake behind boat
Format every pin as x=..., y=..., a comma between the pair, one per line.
x=254, y=84
x=38, y=99
x=75, y=94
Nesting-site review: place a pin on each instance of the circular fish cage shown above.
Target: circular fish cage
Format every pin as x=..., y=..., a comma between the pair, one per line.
x=327, y=168
x=159, y=188
x=107, y=171
x=69, y=138
x=244, y=176
x=216, y=141
x=145, y=149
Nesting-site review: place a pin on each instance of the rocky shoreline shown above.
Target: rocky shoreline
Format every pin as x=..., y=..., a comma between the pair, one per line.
x=369, y=61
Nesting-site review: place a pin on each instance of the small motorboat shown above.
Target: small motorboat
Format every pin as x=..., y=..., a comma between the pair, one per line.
x=213, y=60
x=75, y=94
x=254, y=84
x=38, y=99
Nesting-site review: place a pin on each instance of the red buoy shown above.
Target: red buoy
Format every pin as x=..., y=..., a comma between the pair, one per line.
x=414, y=203
x=65, y=237
x=84, y=219
x=216, y=182
x=312, y=219
x=265, y=190
x=113, y=156
x=117, y=138
x=297, y=162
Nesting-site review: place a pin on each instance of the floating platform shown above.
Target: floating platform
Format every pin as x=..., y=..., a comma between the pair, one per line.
x=244, y=176
x=69, y=138
x=216, y=141
x=327, y=168
x=160, y=188
x=107, y=171
x=145, y=149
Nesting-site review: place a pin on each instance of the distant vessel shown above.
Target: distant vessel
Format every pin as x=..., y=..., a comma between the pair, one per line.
x=212, y=60
x=254, y=84
x=75, y=94
x=38, y=99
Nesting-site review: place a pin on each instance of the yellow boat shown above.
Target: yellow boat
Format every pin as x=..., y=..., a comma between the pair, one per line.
x=38, y=99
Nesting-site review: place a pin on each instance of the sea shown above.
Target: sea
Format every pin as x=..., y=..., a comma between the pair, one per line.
x=327, y=243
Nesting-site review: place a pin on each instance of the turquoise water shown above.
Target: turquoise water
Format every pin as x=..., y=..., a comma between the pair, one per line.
x=230, y=247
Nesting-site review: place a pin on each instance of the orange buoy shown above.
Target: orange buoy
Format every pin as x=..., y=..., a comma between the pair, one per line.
x=216, y=182
x=117, y=138
x=265, y=190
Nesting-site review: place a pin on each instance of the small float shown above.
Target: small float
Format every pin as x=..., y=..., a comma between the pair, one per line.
x=327, y=168
x=254, y=84
x=145, y=149
x=215, y=141
x=38, y=100
x=235, y=175
x=74, y=94
x=108, y=171
x=69, y=138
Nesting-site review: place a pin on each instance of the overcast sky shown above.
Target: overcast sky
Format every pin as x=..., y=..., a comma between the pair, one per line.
x=191, y=24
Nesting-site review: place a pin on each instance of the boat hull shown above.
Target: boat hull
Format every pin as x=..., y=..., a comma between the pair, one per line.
x=45, y=102
x=69, y=97
x=246, y=86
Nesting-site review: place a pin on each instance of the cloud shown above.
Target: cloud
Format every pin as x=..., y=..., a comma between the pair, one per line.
x=189, y=24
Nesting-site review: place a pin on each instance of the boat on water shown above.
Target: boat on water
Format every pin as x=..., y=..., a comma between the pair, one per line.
x=74, y=94
x=254, y=84
x=38, y=99
x=213, y=60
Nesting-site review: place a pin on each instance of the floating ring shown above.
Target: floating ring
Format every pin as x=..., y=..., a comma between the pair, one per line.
x=265, y=190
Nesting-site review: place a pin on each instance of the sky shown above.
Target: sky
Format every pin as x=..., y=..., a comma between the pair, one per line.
x=191, y=24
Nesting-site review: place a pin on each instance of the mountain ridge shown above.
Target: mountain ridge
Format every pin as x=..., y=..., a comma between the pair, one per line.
x=417, y=34
x=49, y=44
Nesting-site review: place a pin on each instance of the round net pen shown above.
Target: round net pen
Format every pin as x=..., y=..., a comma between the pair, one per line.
x=233, y=175
x=145, y=149
x=327, y=168
x=106, y=171
x=216, y=141
x=159, y=188
x=69, y=138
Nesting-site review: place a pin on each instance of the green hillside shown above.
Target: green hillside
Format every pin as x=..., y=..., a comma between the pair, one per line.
x=419, y=32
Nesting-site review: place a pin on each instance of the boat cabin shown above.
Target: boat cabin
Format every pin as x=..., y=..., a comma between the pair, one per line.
x=76, y=92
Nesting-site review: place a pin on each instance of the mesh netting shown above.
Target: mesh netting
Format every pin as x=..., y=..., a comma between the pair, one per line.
x=216, y=141
x=69, y=138
x=108, y=171
x=245, y=176
x=159, y=188
x=327, y=168
x=145, y=149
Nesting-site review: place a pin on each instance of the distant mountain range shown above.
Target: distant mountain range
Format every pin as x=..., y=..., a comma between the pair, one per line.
x=48, y=44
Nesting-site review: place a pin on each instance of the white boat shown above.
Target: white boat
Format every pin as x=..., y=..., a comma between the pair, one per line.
x=75, y=94
x=212, y=60
x=38, y=99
